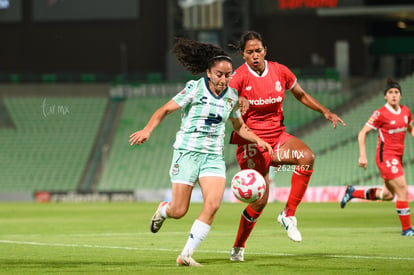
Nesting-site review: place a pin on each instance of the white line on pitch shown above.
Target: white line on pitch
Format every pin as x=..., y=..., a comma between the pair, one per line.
x=203, y=251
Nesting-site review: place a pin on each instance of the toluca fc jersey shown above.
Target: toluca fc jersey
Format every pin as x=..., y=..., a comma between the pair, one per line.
x=265, y=94
x=204, y=117
x=391, y=126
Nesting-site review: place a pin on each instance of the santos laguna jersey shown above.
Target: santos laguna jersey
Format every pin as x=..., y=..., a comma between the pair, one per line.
x=204, y=117
x=265, y=94
x=391, y=126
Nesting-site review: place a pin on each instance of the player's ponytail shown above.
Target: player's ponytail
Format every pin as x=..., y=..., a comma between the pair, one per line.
x=391, y=83
x=246, y=37
x=196, y=57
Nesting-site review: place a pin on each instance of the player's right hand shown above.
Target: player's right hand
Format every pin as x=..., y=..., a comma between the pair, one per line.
x=138, y=137
x=362, y=162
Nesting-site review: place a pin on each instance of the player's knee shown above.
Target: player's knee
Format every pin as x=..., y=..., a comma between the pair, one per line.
x=260, y=204
x=213, y=207
x=308, y=158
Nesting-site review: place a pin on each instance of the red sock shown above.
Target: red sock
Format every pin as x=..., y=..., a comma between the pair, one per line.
x=359, y=194
x=247, y=221
x=299, y=184
x=403, y=212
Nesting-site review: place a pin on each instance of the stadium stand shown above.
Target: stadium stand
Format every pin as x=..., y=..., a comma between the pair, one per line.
x=337, y=150
x=145, y=166
x=130, y=168
x=296, y=115
x=51, y=141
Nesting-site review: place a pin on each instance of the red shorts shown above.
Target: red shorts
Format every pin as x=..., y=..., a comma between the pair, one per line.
x=390, y=166
x=249, y=156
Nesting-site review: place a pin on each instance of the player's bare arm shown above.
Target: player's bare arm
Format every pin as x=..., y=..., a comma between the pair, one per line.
x=143, y=135
x=410, y=129
x=313, y=104
x=362, y=137
x=241, y=128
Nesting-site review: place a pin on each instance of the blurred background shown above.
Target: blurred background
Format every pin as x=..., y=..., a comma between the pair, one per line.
x=78, y=77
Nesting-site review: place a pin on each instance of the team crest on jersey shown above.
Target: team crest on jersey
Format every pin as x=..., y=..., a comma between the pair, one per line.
x=229, y=104
x=251, y=164
x=278, y=86
x=176, y=169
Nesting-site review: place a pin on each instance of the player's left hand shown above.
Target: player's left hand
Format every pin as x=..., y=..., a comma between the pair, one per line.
x=334, y=119
x=266, y=147
x=244, y=104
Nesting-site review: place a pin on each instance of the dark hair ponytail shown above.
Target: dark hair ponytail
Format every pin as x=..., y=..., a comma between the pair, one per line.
x=391, y=83
x=196, y=57
x=247, y=36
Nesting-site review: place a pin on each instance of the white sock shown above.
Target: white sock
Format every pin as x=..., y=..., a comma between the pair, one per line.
x=198, y=232
x=163, y=210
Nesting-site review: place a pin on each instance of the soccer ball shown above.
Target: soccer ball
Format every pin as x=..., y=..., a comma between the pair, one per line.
x=248, y=185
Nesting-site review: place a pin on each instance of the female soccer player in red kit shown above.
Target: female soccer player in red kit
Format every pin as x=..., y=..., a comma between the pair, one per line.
x=391, y=121
x=261, y=84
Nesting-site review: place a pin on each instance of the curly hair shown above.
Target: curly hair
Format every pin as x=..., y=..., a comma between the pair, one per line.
x=196, y=57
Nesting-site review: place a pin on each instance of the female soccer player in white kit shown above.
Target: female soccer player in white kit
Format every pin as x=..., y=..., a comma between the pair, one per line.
x=206, y=104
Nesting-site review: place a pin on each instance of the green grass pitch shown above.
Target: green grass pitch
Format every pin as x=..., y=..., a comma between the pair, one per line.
x=114, y=238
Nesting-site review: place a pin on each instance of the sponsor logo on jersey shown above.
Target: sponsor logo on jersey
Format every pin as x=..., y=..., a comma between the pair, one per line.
x=270, y=100
x=392, y=122
x=397, y=130
x=203, y=100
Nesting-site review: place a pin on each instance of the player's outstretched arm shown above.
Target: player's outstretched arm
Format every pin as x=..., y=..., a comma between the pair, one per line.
x=313, y=104
x=143, y=135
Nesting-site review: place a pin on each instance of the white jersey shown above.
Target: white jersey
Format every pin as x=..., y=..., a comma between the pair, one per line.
x=204, y=117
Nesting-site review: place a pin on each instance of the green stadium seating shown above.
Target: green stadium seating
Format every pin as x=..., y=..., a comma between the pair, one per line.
x=50, y=145
x=147, y=166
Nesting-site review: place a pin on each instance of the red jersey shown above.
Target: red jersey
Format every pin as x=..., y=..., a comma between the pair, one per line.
x=391, y=126
x=265, y=94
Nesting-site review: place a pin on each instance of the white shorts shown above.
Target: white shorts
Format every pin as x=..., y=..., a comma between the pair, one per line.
x=188, y=166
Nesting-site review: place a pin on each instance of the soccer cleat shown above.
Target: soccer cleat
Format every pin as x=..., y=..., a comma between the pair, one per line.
x=157, y=220
x=348, y=195
x=186, y=261
x=409, y=232
x=237, y=254
x=290, y=224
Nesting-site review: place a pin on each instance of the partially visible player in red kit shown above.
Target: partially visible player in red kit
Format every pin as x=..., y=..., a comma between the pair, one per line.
x=391, y=121
x=261, y=85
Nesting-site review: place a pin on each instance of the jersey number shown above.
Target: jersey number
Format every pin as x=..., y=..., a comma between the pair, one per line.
x=250, y=150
